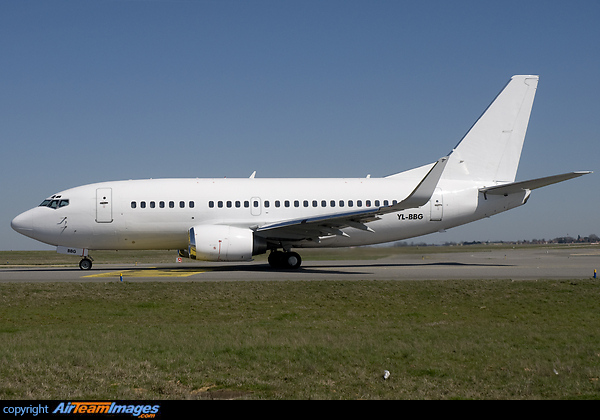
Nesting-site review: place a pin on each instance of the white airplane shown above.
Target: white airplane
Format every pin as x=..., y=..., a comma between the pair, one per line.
x=235, y=219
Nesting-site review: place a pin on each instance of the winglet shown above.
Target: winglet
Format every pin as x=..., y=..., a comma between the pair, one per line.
x=423, y=192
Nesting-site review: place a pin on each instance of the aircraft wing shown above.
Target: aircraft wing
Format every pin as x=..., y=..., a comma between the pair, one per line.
x=331, y=224
x=532, y=184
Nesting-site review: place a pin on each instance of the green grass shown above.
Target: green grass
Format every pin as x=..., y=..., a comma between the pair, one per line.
x=298, y=340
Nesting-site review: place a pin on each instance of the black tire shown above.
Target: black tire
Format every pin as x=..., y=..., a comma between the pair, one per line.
x=85, y=264
x=285, y=260
x=276, y=259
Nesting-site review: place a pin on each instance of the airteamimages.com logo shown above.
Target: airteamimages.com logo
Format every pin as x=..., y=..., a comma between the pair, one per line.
x=142, y=411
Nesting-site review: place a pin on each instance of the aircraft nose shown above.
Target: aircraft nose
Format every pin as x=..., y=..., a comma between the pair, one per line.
x=23, y=223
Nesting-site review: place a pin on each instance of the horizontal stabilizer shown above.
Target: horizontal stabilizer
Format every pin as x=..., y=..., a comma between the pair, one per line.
x=532, y=184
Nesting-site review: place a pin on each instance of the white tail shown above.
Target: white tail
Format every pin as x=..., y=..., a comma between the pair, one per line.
x=491, y=149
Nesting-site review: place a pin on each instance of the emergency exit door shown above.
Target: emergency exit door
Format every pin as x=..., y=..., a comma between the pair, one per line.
x=255, y=206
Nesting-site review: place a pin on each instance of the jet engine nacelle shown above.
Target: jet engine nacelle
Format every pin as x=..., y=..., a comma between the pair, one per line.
x=224, y=243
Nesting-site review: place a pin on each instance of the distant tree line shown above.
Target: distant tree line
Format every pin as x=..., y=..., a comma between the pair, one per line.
x=591, y=239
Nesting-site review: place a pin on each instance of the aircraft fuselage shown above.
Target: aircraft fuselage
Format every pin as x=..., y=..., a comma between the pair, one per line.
x=157, y=214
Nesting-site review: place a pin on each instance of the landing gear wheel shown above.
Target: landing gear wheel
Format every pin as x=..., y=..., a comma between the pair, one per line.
x=285, y=260
x=292, y=260
x=85, y=264
x=275, y=259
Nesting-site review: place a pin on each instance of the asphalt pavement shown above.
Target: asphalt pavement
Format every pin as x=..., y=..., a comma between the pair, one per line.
x=515, y=264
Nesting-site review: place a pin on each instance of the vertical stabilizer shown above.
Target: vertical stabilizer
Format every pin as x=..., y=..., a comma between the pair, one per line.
x=491, y=150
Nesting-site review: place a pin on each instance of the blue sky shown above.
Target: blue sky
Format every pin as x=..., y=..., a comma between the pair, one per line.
x=96, y=90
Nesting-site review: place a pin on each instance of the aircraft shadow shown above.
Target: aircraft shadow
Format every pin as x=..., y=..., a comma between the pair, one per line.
x=346, y=268
x=339, y=268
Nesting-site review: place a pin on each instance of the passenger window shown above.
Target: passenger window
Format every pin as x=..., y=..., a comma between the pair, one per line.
x=386, y=203
x=181, y=204
x=171, y=204
x=350, y=203
x=368, y=203
x=255, y=203
x=161, y=204
x=211, y=204
x=143, y=204
x=238, y=204
x=152, y=204
x=192, y=204
x=323, y=203
x=314, y=203
x=220, y=204
x=332, y=203
x=277, y=203
x=246, y=204
x=341, y=203
x=376, y=203
x=133, y=204
x=229, y=204
x=296, y=203
x=286, y=203
x=267, y=204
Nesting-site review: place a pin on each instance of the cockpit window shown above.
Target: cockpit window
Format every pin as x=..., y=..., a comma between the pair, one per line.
x=54, y=204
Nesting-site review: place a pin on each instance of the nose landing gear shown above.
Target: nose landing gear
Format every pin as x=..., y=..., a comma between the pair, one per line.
x=85, y=263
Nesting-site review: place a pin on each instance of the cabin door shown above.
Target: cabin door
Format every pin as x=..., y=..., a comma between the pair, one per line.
x=437, y=206
x=104, y=205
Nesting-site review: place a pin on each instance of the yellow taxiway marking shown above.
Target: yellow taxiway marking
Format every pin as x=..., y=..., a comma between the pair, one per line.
x=152, y=272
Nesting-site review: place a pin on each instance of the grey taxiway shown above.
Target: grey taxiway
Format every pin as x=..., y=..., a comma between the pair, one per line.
x=515, y=264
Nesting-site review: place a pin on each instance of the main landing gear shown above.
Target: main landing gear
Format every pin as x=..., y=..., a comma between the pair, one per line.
x=284, y=260
x=85, y=263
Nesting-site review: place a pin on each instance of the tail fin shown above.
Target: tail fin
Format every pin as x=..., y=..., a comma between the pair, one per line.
x=491, y=149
